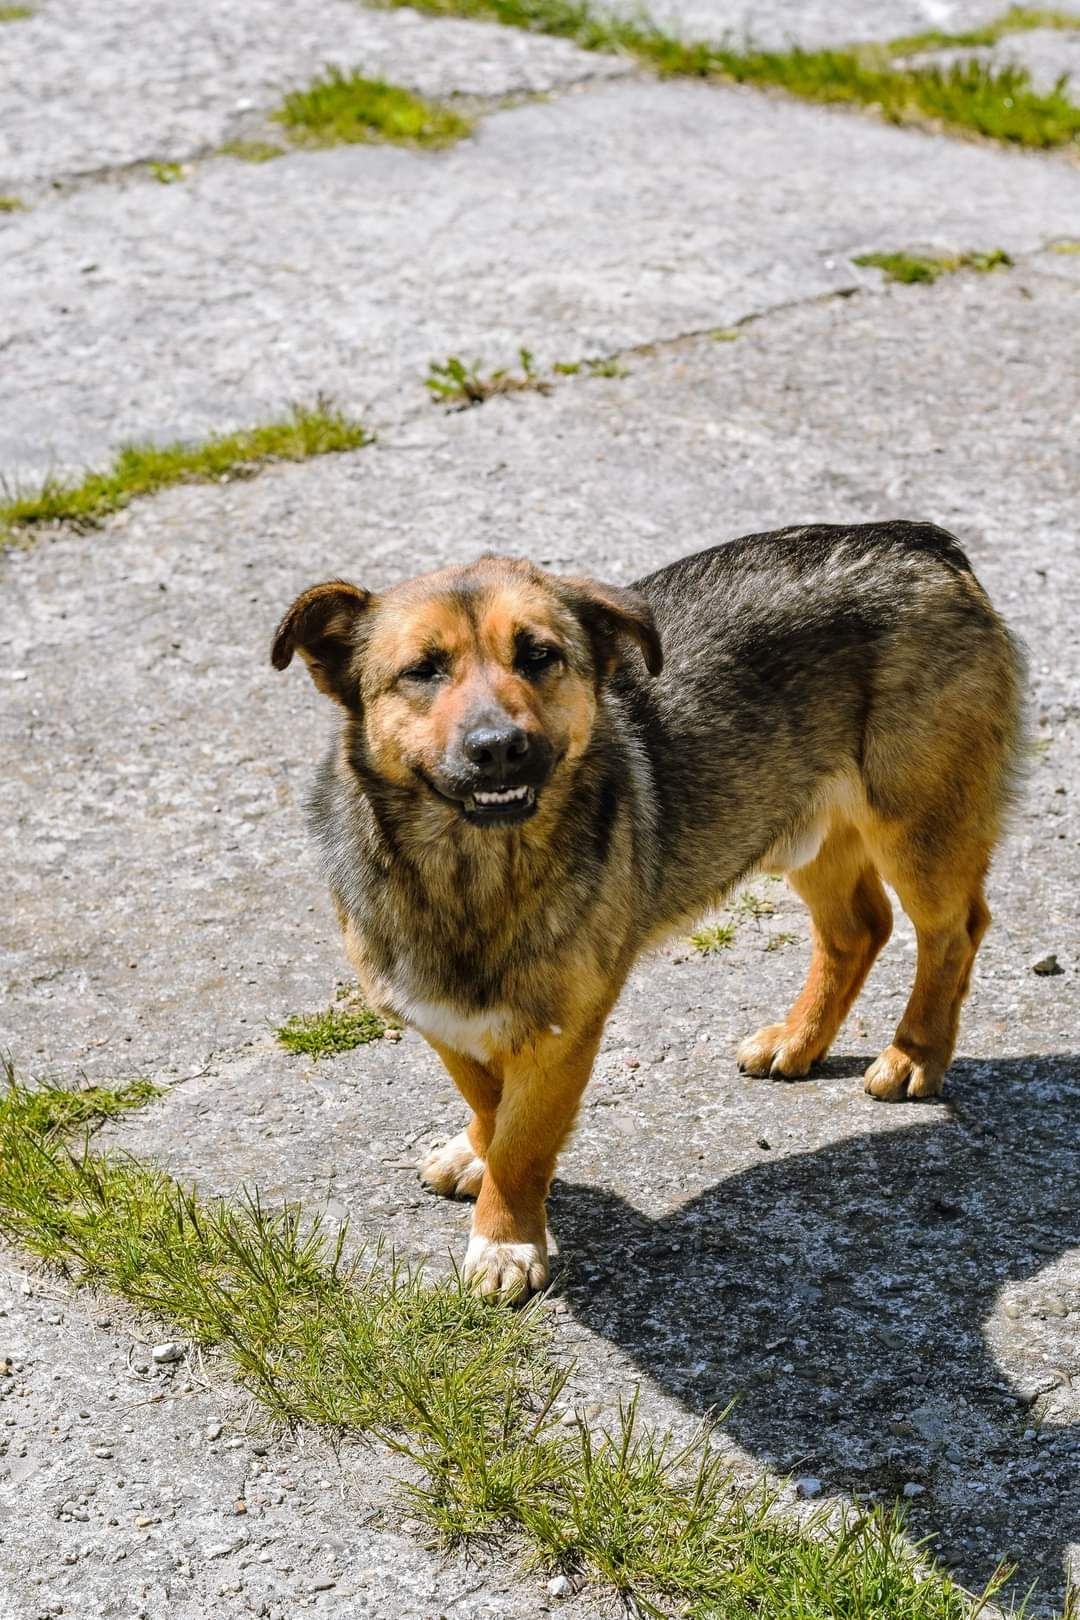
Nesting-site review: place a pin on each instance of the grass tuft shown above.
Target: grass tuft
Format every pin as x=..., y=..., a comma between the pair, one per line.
x=459, y=385
x=345, y=108
x=48, y=1110
x=10, y=204
x=966, y=97
x=468, y=1392
x=910, y=267
x=715, y=937
x=338, y=1029
x=142, y=469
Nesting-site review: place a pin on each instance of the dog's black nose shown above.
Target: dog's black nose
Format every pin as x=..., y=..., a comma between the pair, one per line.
x=496, y=750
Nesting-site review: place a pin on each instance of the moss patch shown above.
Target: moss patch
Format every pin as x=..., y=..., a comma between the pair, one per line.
x=969, y=97
x=11, y=205
x=15, y=13
x=910, y=267
x=251, y=151
x=346, y=109
x=142, y=469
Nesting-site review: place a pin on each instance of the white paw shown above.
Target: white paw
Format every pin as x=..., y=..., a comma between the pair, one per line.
x=510, y=1271
x=453, y=1169
x=773, y=1051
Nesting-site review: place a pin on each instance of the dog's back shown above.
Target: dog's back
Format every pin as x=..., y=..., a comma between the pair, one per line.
x=815, y=666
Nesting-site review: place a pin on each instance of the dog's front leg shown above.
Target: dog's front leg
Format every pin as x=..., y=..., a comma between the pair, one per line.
x=542, y=1085
x=456, y=1168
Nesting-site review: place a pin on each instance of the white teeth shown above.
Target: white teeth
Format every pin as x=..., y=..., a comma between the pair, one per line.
x=506, y=796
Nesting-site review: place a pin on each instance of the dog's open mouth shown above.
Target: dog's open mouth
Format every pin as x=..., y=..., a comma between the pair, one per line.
x=500, y=804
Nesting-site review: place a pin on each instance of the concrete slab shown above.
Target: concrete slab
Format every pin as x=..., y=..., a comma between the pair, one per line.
x=88, y=87
x=634, y=212
x=152, y=825
x=153, y=816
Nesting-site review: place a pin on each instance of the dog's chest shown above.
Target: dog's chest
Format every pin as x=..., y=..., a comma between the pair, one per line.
x=478, y=1035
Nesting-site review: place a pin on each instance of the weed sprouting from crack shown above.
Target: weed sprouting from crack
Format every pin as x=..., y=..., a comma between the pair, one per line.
x=458, y=385
x=600, y=366
x=469, y=1392
x=910, y=268
x=143, y=469
x=167, y=174
x=714, y=937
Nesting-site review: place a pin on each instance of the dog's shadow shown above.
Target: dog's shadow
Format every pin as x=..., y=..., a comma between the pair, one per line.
x=848, y=1301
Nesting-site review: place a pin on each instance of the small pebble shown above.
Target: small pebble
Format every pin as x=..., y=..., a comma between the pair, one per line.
x=103, y=1452
x=172, y=1350
x=1047, y=965
x=764, y=1144
x=323, y=1583
x=808, y=1487
x=912, y=1489
x=560, y=1586
x=214, y=1431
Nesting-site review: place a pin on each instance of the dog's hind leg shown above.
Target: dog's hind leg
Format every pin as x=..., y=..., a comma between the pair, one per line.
x=850, y=921
x=943, y=897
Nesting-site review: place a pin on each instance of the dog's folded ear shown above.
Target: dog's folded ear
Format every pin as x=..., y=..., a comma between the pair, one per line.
x=610, y=613
x=321, y=627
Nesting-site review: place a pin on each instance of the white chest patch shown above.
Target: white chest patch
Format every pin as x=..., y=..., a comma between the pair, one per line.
x=477, y=1035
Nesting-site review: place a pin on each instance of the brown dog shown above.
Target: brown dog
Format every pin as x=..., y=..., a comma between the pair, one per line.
x=540, y=777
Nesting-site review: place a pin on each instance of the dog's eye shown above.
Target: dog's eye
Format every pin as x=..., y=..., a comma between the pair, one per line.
x=536, y=659
x=426, y=670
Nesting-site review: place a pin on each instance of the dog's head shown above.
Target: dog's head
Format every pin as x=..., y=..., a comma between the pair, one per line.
x=474, y=685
